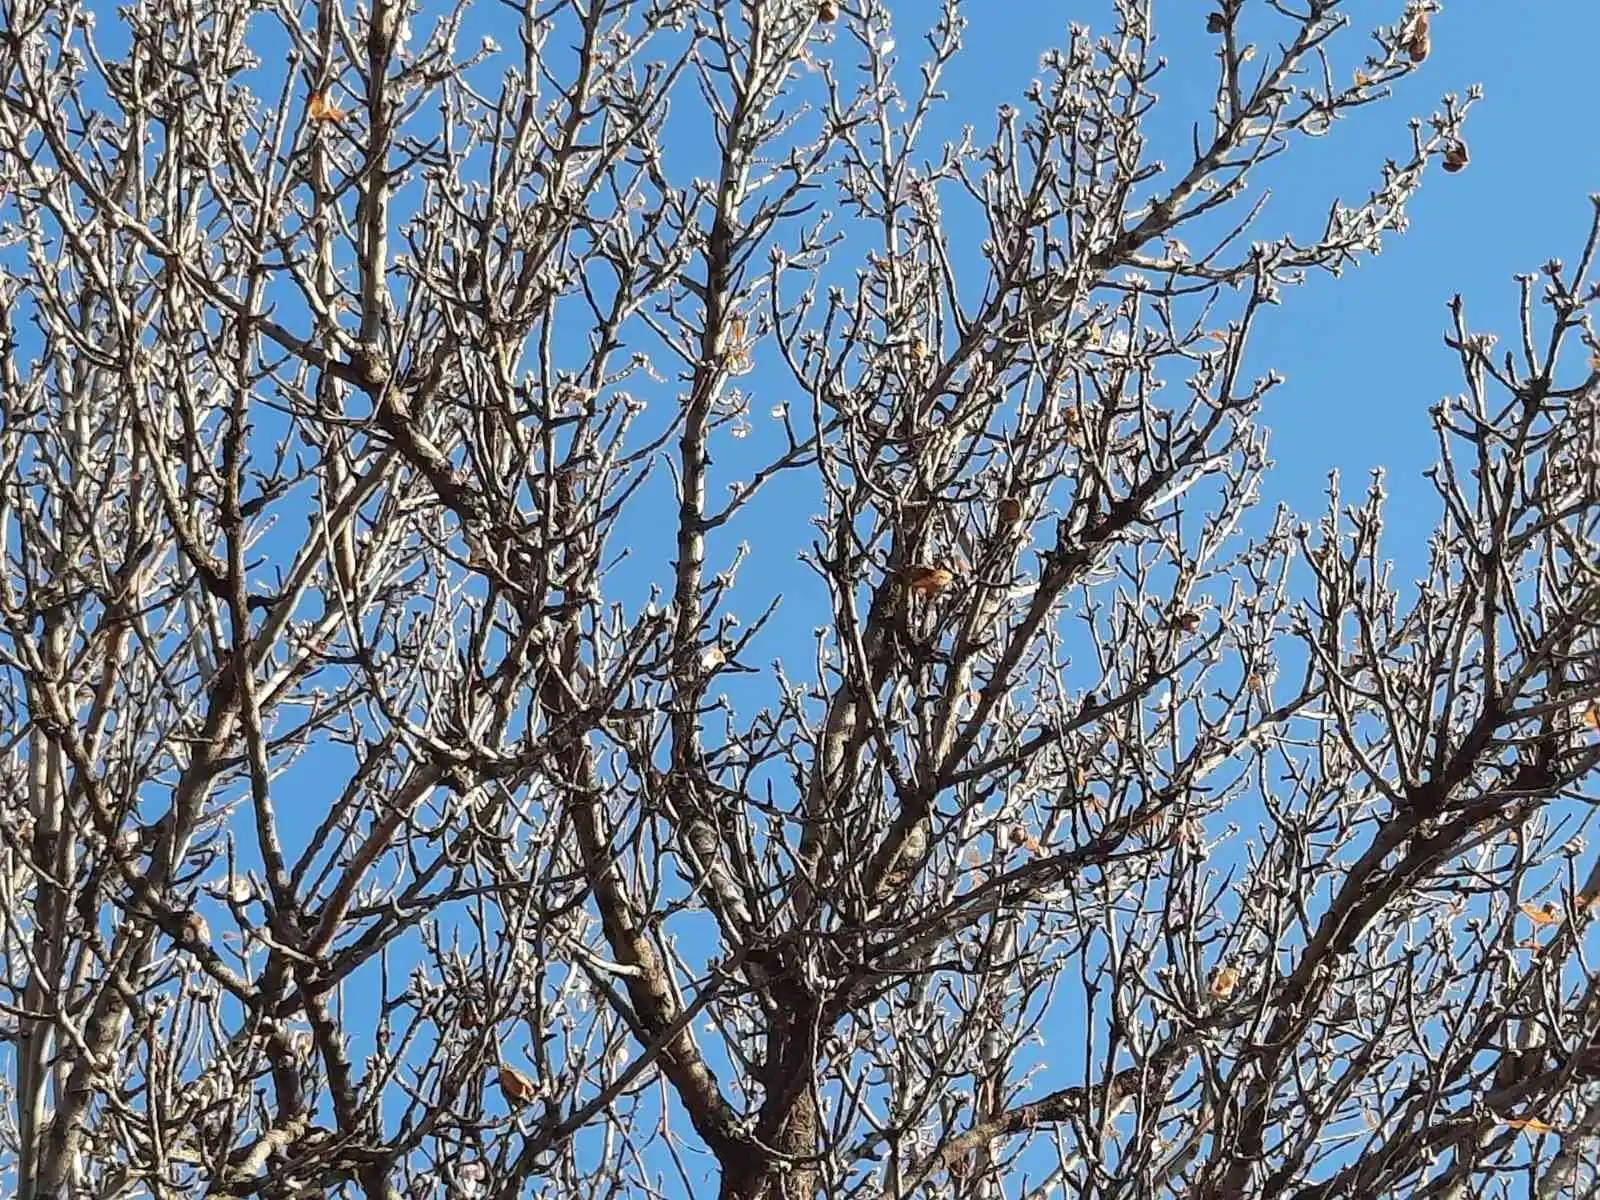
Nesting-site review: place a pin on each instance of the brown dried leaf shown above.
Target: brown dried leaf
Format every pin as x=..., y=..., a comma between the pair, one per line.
x=1531, y=1125
x=320, y=108
x=196, y=929
x=517, y=1087
x=1545, y=914
x=1416, y=42
x=929, y=580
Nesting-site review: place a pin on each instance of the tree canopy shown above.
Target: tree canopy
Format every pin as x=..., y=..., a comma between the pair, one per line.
x=411, y=788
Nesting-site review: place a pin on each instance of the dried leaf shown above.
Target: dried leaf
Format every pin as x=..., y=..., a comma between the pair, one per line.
x=1073, y=418
x=1010, y=510
x=1362, y=79
x=1021, y=837
x=929, y=580
x=736, y=358
x=1188, y=621
x=1456, y=156
x=517, y=1088
x=1531, y=1125
x=1216, y=23
x=1223, y=981
x=1415, y=41
x=1591, y=715
x=196, y=929
x=1545, y=914
x=320, y=108
x=827, y=11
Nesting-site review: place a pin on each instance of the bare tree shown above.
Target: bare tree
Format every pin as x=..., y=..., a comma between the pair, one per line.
x=405, y=793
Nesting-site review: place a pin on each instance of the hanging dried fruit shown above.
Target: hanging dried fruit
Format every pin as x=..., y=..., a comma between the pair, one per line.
x=929, y=580
x=1456, y=156
x=827, y=10
x=1216, y=23
x=1188, y=621
x=1010, y=510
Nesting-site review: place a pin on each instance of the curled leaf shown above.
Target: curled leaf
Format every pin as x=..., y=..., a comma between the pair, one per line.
x=1531, y=1125
x=929, y=580
x=1415, y=39
x=736, y=358
x=1021, y=837
x=517, y=1088
x=1542, y=914
x=320, y=108
x=1223, y=981
x=1074, y=422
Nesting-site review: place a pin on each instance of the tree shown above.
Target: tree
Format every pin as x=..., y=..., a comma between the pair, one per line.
x=402, y=798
